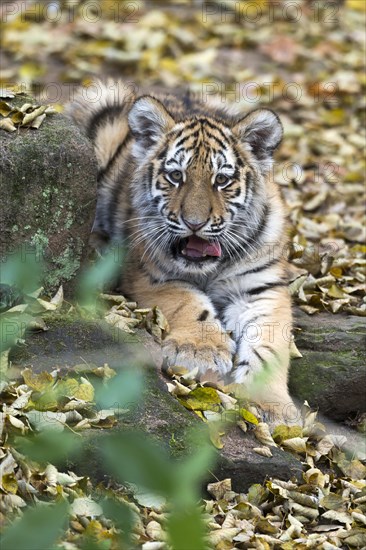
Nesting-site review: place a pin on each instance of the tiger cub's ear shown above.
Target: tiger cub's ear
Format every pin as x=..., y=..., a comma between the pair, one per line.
x=149, y=121
x=263, y=131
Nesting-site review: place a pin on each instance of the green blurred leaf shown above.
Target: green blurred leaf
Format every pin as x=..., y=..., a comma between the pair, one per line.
x=10, y=296
x=123, y=390
x=133, y=458
x=191, y=473
x=49, y=446
x=186, y=529
x=37, y=529
x=122, y=516
x=202, y=457
x=99, y=275
x=23, y=269
x=12, y=327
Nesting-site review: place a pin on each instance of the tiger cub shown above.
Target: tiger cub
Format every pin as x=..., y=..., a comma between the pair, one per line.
x=188, y=186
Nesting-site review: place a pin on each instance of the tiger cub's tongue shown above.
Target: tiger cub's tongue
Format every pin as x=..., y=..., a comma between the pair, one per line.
x=198, y=248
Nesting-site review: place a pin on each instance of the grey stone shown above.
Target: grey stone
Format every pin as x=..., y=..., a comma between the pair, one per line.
x=48, y=194
x=331, y=375
x=158, y=414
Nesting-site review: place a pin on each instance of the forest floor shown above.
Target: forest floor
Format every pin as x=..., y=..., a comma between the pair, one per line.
x=304, y=60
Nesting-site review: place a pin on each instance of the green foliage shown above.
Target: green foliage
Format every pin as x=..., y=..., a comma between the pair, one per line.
x=125, y=389
x=20, y=277
x=186, y=529
x=129, y=457
x=133, y=458
x=104, y=270
x=49, y=446
x=123, y=518
x=23, y=269
x=37, y=529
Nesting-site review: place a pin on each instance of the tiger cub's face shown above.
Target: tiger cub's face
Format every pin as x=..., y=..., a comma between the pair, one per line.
x=202, y=194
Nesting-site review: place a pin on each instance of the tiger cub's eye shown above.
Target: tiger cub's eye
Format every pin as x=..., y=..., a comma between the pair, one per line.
x=176, y=176
x=221, y=179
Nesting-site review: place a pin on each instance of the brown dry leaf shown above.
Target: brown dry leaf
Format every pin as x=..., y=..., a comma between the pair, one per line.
x=297, y=444
x=38, y=382
x=282, y=49
x=332, y=502
x=263, y=434
x=218, y=489
x=264, y=451
x=7, y=125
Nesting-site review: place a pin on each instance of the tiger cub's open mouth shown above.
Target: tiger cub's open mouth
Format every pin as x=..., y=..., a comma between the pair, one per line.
x=195, y=249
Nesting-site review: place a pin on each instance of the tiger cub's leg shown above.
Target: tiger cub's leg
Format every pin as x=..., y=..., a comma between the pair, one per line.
x=196, y=339
x=261, y=324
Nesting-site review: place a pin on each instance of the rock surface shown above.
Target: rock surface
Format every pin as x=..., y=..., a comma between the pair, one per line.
x=48, y=194
x=158, y=413
x=331, y=375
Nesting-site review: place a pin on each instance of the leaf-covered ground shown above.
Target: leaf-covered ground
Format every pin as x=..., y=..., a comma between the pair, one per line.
x=325, y=509
x=306, y=62
x=304, y=59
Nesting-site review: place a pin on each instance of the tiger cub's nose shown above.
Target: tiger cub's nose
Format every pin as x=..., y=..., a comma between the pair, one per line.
x=192, y=224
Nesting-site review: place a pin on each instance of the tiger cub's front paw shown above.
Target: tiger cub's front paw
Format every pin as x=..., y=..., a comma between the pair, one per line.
x=214, y=356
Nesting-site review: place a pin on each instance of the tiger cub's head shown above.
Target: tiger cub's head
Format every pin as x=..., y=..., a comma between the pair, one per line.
x=200, y=185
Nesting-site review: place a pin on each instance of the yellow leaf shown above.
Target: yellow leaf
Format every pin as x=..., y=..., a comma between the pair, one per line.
x=16, y=423
x=85, y=391
x=26, y=107
x=33, y=115
x=4, y=362
x=38, y=382
x=5, y=108
x=336, y=292
x=337, y=272
x=96, y=530
x=282, y=432
x=17, y=117
x=264, y=451
x=297, y=444
x=68, y=387
x=248, y=416
x=58, y=298
x=9, y=483
x=358, y=5
x=203, y=399
x=353, y=469
x=45, y=305
x=294, y=352
x=315, y=477
x=215, y=431
x=38, y=121
x=335, y=117
x=104, y=372
x=123, y=323
x=160, y=319
x=29, y=71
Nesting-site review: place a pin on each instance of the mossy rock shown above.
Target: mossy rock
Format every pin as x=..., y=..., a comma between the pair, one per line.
x=70, y=341
x=331, y=375
x=48, y=190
